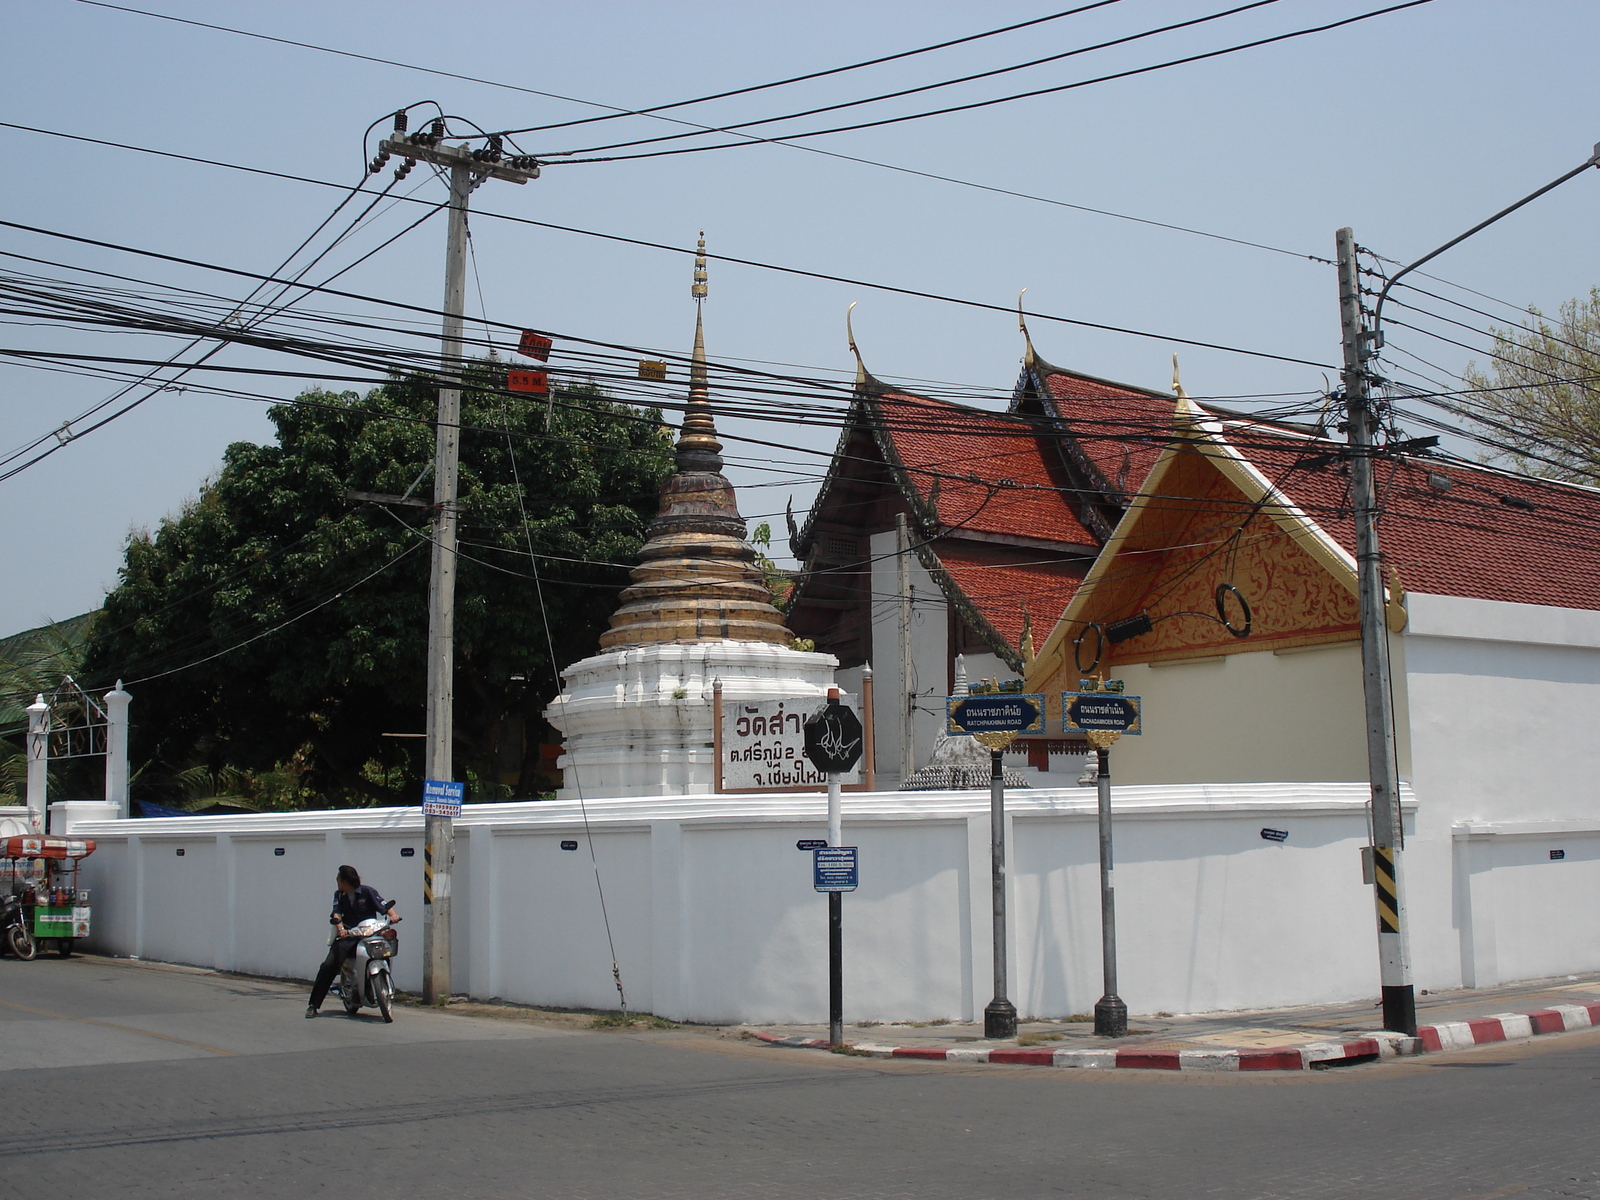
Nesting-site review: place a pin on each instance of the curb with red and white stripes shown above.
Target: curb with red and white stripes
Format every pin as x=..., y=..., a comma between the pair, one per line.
x=1457, y=1035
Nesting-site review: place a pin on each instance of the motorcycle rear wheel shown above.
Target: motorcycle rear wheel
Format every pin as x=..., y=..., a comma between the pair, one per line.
x=385, y=992
x=22, y=943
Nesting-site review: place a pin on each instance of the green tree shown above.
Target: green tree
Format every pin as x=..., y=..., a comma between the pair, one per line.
x=293, y=620
x=1542, y=391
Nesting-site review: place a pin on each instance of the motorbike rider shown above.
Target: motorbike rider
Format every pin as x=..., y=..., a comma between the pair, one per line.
x=353, y=903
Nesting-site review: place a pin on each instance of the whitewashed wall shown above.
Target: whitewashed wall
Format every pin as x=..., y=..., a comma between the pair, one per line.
x=1502, y=700
x=714, y=917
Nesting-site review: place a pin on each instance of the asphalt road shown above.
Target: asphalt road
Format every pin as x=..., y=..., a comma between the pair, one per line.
x=126, y=1080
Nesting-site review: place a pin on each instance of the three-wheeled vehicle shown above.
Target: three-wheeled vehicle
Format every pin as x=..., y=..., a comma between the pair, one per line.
x=46, y=908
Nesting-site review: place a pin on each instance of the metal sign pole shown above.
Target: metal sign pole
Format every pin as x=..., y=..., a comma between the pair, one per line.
x=1110, y=1013
x=833, y=744
x=999, y=1015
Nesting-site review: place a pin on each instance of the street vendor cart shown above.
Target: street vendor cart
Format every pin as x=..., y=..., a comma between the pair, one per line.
x=42, y=872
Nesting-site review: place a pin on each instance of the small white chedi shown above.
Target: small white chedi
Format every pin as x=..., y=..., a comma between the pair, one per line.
x=637, y=717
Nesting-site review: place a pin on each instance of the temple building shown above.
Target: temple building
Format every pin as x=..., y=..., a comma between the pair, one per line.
x=1004, y=513
x=637, y=717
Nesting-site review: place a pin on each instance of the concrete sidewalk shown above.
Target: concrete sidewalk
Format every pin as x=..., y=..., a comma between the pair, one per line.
x=1274, y=1040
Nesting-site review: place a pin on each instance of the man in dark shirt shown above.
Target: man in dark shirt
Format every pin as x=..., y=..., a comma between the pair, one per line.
x=353, y=903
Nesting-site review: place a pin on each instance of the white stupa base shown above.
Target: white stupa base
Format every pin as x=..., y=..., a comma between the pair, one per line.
x=637, y=722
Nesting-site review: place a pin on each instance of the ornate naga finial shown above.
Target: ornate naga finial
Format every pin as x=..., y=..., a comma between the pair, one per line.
x=1028, y=357
x=862, y=375
x=1177, y=384
x=1026, y=646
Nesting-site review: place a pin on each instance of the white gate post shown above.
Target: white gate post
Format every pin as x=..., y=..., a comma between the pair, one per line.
x=117, y=702
x=38, y=762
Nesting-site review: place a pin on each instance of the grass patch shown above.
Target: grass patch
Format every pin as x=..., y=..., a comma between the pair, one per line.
x=621, y=1020
x=847, y=1048
x=1079, y=1017
x=1038, y=1039
x=868, y=1024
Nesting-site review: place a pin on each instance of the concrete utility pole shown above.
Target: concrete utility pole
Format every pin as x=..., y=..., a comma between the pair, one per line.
x=467, y=169
x=117, y=701
x=1388, y=835
x=38, y=796
x=908, y=713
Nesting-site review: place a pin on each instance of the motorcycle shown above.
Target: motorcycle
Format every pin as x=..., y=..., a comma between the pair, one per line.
x=364, y=979
x=14, y=928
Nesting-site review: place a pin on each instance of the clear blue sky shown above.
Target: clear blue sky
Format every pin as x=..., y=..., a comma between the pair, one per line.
x=1410, y=127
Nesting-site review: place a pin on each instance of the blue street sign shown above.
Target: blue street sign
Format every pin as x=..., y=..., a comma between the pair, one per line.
x=833, y=869
x=441, y=798
x=997, y=712
x=1085, y=711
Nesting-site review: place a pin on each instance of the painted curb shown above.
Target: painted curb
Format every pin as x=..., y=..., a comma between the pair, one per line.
x=1459, y=1035
x=1455, y=1035
x=1272, y=1058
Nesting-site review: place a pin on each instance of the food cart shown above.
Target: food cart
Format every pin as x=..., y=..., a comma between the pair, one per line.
x=43, y=873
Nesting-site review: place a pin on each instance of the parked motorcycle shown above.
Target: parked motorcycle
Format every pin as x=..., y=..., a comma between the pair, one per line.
x=364, y=980
x=14, y=928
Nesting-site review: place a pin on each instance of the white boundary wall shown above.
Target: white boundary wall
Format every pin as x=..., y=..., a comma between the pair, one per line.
x=714, y=917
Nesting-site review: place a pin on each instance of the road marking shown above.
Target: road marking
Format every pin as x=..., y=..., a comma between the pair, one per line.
x=44, y=1012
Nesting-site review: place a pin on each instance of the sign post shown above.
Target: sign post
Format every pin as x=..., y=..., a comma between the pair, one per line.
x=995, y=720
x=1102, y=714
x=833, y=742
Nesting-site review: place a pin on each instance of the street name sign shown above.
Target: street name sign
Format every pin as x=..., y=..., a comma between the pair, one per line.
x=833, y=869
x=1000, y=712
x=810, y=843
x=441, y=798
x=1100, y=712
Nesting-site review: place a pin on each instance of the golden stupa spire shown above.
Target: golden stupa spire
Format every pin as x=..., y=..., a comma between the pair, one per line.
x=696, y=580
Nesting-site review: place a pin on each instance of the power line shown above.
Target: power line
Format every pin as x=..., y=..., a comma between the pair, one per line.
x=928, y=87
x=976, y=104
x=623, y=112
x=743, y=262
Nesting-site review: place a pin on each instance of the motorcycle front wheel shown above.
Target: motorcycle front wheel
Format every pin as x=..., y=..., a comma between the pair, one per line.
x=21, y=942
x=385, y=991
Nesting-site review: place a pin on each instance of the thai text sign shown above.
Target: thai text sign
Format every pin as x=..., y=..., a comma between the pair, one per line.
x=763, y=745
x=999, y=712
x=1083, y=712
x=833, y=869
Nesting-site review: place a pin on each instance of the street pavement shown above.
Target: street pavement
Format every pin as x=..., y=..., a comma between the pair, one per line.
x=132, y=1080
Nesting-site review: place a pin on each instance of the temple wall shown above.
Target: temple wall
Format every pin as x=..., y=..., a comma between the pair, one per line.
x=715, y=919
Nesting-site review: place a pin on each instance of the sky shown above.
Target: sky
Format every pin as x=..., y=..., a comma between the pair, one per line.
x=1410, y=128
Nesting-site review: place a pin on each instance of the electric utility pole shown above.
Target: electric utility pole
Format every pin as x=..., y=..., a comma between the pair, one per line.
x=908, y=690
x=1388, y=835
x=467, y=168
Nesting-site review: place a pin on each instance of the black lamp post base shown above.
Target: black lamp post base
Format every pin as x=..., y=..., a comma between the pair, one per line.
x=1000, y=1019
x=1110, y=1017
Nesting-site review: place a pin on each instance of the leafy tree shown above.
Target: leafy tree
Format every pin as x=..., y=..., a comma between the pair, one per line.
x=1545, y=401
x=276, y=627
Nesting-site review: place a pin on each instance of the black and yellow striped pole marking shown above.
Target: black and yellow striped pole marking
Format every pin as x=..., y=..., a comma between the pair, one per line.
x=427, y=874
x=1399, y=1000
x=1387, y=895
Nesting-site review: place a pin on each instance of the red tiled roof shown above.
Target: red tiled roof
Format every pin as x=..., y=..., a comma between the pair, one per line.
x=1120, y=430
x=968, y=450
x=1464, y=541
x=1000, y=582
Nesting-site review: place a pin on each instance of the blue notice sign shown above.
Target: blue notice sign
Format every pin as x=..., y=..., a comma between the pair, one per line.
x=442, y=799
x=833, y=869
